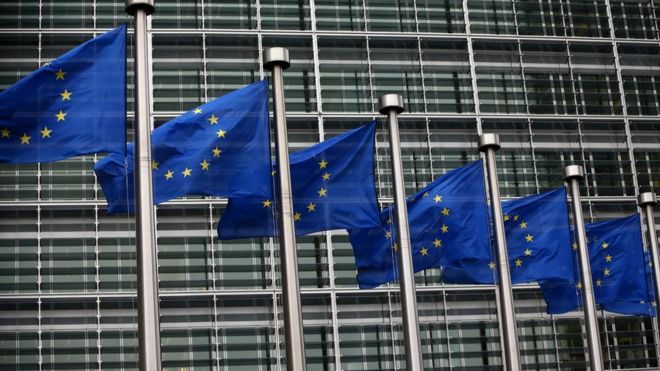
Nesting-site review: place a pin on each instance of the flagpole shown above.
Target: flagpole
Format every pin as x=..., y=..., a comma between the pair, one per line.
x=488, y=144
x=647, y=201
x=145, y=221
x=572, y=175
x=391, y=105
x=277, y=59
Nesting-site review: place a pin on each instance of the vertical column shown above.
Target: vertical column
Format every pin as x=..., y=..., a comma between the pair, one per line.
x=647, y=202
x=572, y=175
x=391, y=105
x=145, y=221
x=488, y=144
x=277, y=59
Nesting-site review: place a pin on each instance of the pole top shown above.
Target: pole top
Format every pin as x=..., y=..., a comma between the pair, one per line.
x=276, y=56
x=647, y=198
x=488, y=140
x=391, y=102
x=573, y=171
x=133, y=6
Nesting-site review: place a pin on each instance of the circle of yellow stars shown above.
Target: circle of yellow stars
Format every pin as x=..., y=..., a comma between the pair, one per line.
x=529, y=238
x=205, y=164
x=322, y=192
x=437, y=241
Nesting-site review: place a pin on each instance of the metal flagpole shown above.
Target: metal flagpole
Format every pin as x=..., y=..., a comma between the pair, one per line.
x=148, y=315
x=572, y=175
x=391, y=105
x=647, y=201
x=488, y=144
x=277, y=59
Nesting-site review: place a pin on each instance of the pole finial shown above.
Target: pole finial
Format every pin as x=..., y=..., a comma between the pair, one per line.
x=488, y=140
x=132, y=6
x=390, y=102
x=276, y=56
x=647, y=198
x=573, y=171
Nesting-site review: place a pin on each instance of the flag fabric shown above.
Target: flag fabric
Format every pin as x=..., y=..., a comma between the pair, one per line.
x=617, y=268
x=221, y=148
x=74, y=105
x=448, y=223
x=645, y=307
x=332, y=184
x=538, y=238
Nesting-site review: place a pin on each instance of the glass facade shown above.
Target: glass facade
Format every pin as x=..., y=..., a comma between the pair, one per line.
x=562, y=81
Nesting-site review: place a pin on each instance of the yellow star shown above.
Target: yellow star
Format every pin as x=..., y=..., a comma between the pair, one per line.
x=518, y=263
x=529, y=238
x=515, y=218
x=599, y=282
x=213, y=119
x=326, y=176
x=389, y=221
x=66, y=95
x=323, y=192
x=642, y=302
x=311, y=207
x=523, y=225
x=426, y=194
x=267, y=203
x=608, y=258
x=605, y=245
x=653, y=304
x=169, y=175
x=216, y=152
x=444, y=228
x=204, y=164
x=59, y=75
x=25, y=139
x=437, y=243
x=506, y=217
x=437, y=198
x=388, y=235
x=606, y=272
x=60, y=116
x=154, y=165
x=5, y=133
x=46, y=132
x=272, y=173
x=528, y=252
x=445, y=211
x=579, y=285
x=297, y=216
x=323, y=164
x=186, y=172
x=574, y=245
x=395, y=247
x=221, y=133
x=424, y=251
x=197, y=111
x=491, y=265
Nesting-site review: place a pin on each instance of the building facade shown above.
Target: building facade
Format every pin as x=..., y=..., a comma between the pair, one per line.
x=562, y=82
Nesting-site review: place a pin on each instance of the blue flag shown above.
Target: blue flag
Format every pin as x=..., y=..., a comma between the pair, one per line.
x=645, y=307
x=218, y=149
x=448, y=224
x=538, y=237
x=73, y=106
x=617, y=267
x=332, y=184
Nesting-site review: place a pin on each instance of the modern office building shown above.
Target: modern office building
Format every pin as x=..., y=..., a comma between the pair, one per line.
x=562, y=82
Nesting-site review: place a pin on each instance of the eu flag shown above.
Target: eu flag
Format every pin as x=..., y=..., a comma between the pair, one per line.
x=617, y=267
x=74, y=105
x=448, y=224
x=332, y=184
x=538, y=237
x=645, y=307
x=218, y=149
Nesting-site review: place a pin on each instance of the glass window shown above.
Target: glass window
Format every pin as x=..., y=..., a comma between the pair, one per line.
x=570, y=345
x=177, y=14
x=492, y=17
x=391, y=15
x=641, y=78
x=19, y=337
x=313, y=262
x=633, y=19
x=285, y=15
x=19, y=14
x=67, y=14
x=587, y=18
x=453, y=144
x=344, y=261
x=542, y=17
x=19, y=257
x=339, y=15
x=499, y=77
x=233, y=14
x=556, y=145
x=111, y=13
x=231, y=63
x=447, y=81
x=441, y=16
x=345, y=82
x=119, y=349
x=596, y=82
x=608, y=171
x=646, y=144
